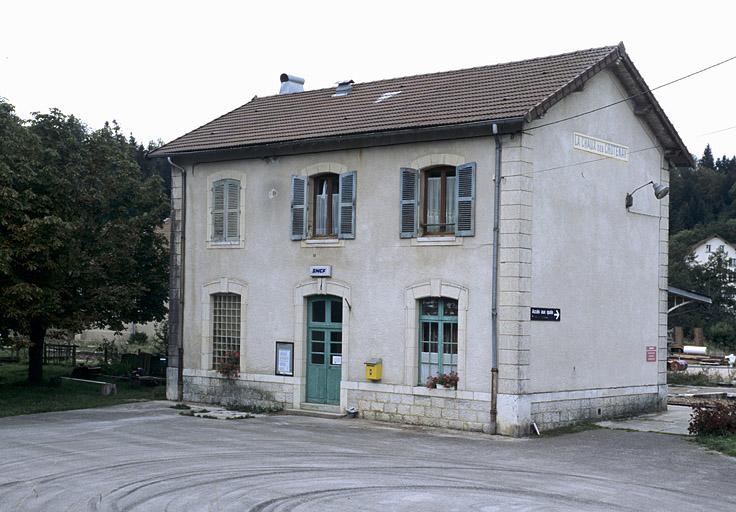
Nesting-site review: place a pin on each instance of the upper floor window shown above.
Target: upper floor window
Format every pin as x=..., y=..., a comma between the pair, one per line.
x=707, y=248
x=323, y=206
x=226, y=210
x=439, y=205
x=438, y=201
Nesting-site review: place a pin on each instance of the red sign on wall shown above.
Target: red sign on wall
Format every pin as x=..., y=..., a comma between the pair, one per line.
x=651, y=354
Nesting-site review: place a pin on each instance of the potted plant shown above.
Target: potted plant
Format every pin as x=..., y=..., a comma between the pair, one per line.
x=230, y=366
x=443, y=381
x=447, y=380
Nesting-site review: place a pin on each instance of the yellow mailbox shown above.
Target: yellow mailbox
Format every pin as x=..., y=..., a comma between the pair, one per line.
x=373, y=369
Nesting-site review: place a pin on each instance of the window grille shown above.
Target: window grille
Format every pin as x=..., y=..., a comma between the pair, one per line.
x=225, y=326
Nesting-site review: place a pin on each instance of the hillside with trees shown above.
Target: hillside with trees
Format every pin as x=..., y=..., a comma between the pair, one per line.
x=703, y=203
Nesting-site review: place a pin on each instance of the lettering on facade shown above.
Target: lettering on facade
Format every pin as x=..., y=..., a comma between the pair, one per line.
x=651, y=354
x=320, y=271
x=600, y=147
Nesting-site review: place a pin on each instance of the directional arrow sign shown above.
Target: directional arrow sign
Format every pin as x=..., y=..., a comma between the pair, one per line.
x=545, y=314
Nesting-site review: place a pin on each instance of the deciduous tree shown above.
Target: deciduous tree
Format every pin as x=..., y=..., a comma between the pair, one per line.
x=78, y=240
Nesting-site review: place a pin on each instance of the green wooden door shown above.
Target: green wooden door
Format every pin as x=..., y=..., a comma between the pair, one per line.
x=324, y=350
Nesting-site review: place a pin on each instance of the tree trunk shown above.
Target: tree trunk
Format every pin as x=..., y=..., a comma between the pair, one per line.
x=35, y=352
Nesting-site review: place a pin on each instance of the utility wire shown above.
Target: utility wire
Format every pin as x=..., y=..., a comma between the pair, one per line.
x=584, y=162
x=634, y=95
x=718, y=131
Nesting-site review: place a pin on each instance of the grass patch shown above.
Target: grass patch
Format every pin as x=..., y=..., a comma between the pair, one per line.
x=724, y=444
x=19, y=397
x=254, y=409
x=690, y=379
x=570, y=429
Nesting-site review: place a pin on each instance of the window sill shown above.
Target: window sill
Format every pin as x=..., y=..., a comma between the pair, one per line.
x=323, y=242
x=423, y=241
x=226, y=245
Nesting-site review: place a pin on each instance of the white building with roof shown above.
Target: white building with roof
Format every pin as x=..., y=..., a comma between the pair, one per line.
x=703, y=250
x=474, y=222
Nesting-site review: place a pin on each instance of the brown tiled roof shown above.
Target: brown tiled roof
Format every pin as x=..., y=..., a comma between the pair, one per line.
x=514, y=90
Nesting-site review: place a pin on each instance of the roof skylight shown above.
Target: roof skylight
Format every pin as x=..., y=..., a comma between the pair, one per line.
x=386, y=96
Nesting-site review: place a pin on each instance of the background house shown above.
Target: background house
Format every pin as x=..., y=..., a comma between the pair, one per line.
x=472, y=221
x=703, y=250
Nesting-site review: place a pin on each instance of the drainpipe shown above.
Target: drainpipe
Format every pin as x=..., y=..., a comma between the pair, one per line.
x=494, y=279
x=180, y=304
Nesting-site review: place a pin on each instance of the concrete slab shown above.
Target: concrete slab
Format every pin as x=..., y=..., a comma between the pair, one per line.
x=673, y=421
x=678, y=389
x=145, y=456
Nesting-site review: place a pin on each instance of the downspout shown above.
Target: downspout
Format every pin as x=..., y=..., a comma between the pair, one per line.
x=180, y=305
x=494, y=280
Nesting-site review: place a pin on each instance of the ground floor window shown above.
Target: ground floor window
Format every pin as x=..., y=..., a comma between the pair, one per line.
x=437, y=337
x=225, y=326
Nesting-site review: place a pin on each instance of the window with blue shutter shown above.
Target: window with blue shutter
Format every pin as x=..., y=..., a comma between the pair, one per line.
x=465, y=199
x=226, y=210
x=409, y=196
x=298, y=207
x=346, y=215
x=323, y=206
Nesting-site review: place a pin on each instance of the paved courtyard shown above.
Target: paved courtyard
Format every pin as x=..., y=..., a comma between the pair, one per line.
x=145, y=457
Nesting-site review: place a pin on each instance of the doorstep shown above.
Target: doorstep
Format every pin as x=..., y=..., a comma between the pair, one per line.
x=317, y=411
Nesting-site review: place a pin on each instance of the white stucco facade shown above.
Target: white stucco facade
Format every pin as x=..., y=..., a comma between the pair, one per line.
x=566, y=241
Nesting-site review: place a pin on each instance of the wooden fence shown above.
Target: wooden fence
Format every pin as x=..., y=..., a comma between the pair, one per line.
x=59, y=354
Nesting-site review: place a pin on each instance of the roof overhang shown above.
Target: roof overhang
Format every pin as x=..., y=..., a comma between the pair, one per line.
x=353, y=141
x=686, y=294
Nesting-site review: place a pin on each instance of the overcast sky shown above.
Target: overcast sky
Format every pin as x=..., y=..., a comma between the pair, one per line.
x=162, y=68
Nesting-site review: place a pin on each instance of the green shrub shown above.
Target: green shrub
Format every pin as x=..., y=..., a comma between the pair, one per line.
x=138, y=338
x=716, y=419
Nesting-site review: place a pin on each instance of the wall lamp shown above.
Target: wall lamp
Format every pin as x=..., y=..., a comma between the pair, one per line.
x=659, y=192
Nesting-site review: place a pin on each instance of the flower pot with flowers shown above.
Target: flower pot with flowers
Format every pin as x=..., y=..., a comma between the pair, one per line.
x=443, y=381
x=230, y=365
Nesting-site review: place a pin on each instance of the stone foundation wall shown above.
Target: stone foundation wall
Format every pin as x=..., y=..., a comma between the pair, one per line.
x=461, y=410
x=204, y=387
x=561, y=413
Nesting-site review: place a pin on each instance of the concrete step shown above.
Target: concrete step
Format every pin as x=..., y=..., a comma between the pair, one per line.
x=316, y=411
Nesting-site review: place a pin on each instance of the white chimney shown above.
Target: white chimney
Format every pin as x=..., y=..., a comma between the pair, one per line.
x=291, y=83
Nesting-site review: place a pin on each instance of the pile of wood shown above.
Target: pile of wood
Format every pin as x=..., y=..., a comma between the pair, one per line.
x=702, y=360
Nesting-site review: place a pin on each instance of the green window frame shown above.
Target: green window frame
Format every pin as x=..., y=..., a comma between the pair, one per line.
x=438, y=337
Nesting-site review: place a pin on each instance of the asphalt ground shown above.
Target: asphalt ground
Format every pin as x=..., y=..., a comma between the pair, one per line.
x=146, y=457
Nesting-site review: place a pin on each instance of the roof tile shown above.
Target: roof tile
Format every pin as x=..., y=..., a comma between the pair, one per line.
x=502, y=91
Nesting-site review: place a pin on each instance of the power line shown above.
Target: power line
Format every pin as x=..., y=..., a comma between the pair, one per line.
x=718, y=131
x=584, y=162
x=634, y=95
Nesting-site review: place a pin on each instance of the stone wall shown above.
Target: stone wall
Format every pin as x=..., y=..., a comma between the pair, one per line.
x=461, y=410
x=208, y=387
x=560, y=413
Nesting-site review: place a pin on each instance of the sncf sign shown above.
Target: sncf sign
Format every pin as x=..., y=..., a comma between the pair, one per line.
x=320, y=271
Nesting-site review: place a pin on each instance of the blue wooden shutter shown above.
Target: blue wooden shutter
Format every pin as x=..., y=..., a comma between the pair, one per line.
x=298, y=207
x=232, y=201
x=218, y=210
x=409, y=197
x=465, y=197
x=346, y=215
